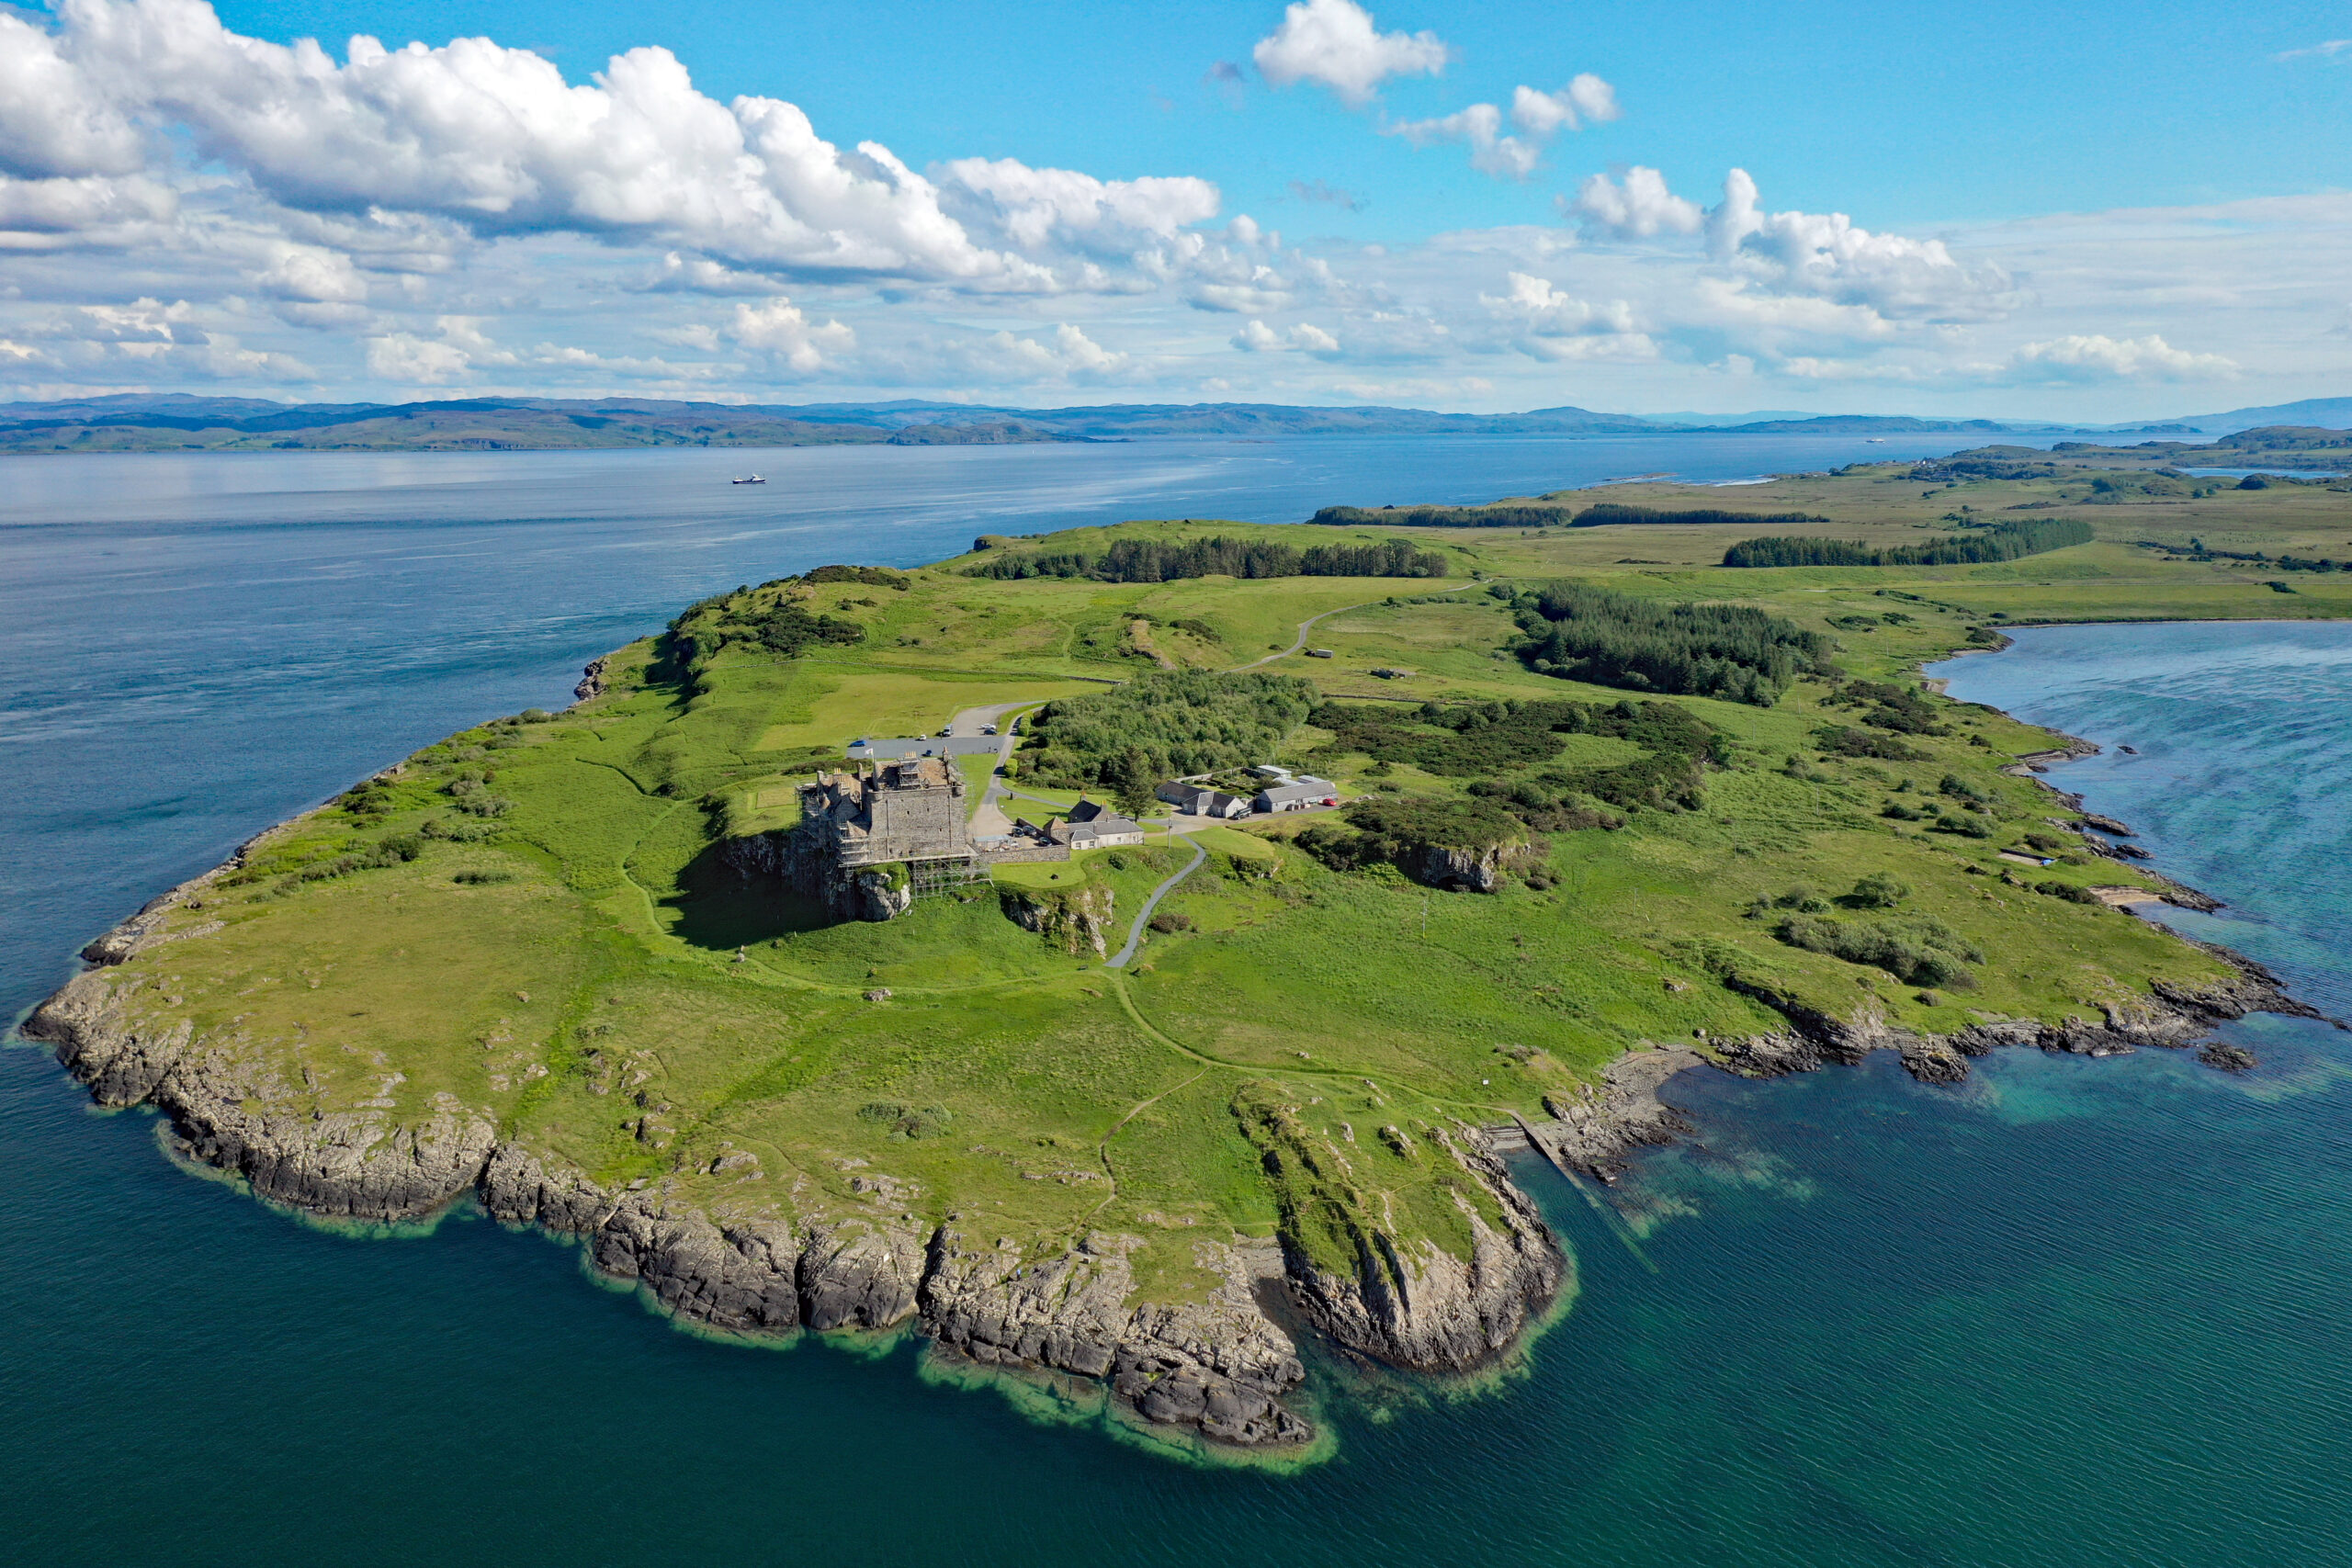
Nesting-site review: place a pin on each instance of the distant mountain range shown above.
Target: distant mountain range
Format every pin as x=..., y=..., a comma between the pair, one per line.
x=181, y=422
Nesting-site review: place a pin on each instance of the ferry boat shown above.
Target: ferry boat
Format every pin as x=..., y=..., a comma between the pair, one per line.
x=754, y=479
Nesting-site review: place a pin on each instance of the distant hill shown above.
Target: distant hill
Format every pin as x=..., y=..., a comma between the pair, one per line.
x=462, y=424
x=2332, y=413
x=181, y=422
x=1874, y=425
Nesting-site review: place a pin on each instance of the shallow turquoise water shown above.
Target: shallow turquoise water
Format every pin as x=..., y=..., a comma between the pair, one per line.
x=2073, y=1313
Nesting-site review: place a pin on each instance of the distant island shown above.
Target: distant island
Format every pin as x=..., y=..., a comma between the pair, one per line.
x=181, y=422
x=1114, y=954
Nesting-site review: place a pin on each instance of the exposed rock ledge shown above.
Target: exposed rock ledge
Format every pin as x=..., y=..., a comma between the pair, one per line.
x=1220, y=1366
x=1595, y=1132
x=1423, y=1309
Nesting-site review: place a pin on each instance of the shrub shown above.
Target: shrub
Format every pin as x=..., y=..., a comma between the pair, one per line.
x=1903, y=709
x=907, y=1122
x=1878, y=891
x=2069, y=892
x=373, y=798
x=872, y=576
x=1167, y=922
x=1844, y=740
x=396, y=849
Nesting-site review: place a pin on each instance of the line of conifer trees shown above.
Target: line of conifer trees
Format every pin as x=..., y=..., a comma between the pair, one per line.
x=1158, y=560
x=2006, y=542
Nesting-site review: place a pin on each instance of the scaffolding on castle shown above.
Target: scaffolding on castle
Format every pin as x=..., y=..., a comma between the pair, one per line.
x=927, y=878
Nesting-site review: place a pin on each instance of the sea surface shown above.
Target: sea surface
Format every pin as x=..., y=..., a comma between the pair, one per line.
x=2073, y=1312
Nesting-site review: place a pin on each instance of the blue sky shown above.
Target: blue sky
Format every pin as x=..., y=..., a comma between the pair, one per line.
x=2106, y=211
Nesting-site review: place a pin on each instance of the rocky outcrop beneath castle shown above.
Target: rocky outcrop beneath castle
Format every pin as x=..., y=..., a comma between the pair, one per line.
x=1411, y=1304
x=1072, y=920
x=804, y=861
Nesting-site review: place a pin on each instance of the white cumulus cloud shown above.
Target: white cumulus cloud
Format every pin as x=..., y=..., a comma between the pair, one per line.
x=1537, y=115
x=494, y=139
x=1337, y=43
x=1829, y=255
x=1541, y=114
x=777, y=327
x=1305, y=337
x=1638, y=207
x=404, y=356
x=1491, y=152
x=1550, y=325
x=2093, y=356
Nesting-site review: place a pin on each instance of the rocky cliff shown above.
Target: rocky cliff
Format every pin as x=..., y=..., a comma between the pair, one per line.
x=1219, y=1365
x=1409, y=1303
x=804, y=862
x=1072, y=920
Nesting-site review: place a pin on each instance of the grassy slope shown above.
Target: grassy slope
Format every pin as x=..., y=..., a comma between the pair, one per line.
x=624, y=999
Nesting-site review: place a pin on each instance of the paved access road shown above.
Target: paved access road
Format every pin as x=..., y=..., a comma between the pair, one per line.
x=1135, y=932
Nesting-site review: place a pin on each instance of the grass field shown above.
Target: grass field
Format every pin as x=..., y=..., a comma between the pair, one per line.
x=566, y=945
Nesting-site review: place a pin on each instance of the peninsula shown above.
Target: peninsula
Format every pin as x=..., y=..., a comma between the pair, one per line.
x=1116, y=953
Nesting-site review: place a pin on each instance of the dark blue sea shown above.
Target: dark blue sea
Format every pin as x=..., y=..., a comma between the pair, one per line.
x=2074, y=1313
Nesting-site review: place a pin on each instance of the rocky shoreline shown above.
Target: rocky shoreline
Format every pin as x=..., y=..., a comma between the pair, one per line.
x=1597, y=1132
x=1222, y=1366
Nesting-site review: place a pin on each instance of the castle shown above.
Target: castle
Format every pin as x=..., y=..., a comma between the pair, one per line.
x=870, y=840
x=907, y=810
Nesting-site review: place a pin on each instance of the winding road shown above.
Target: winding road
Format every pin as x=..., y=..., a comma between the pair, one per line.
x=1135, y=932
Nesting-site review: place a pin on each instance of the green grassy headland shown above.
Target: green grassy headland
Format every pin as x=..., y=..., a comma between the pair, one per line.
x=536, y=916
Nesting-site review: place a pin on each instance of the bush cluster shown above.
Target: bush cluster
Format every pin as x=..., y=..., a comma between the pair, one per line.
x=1398, y=829
x=1844, y=740
x=871, y=576
x=1885, y=706
x=1921, y=951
